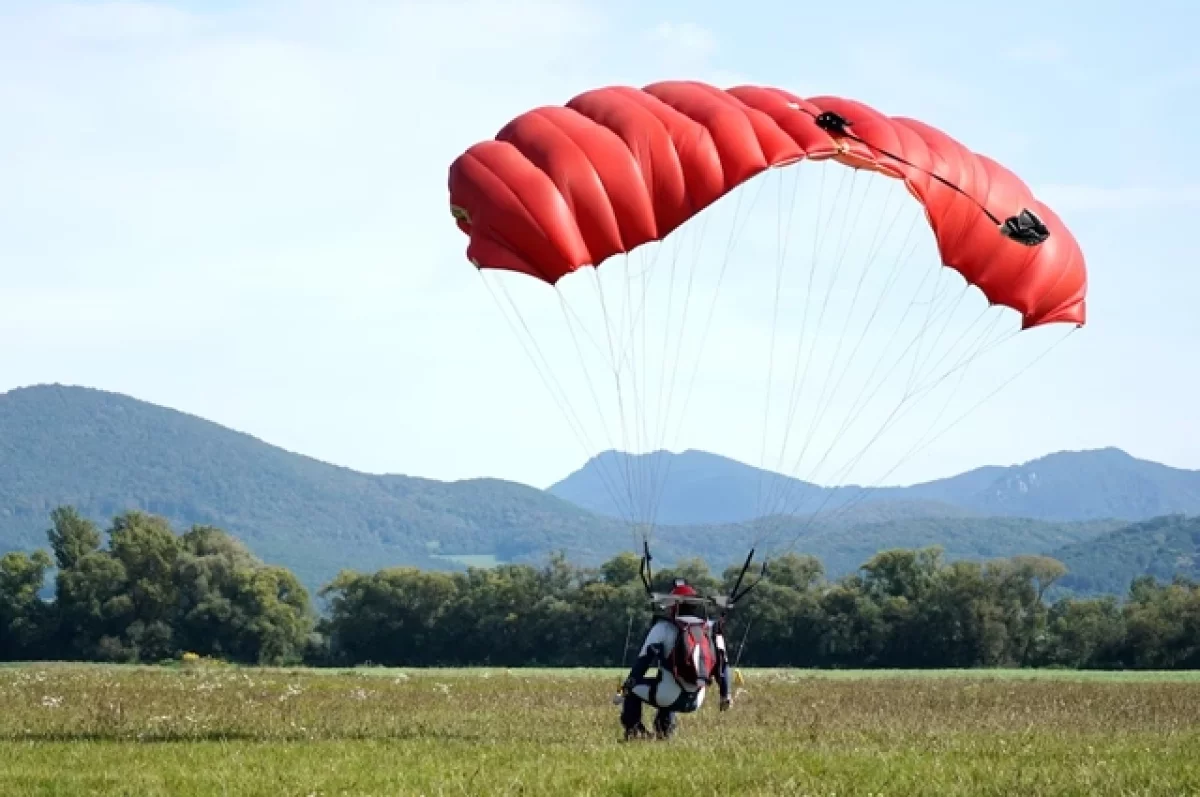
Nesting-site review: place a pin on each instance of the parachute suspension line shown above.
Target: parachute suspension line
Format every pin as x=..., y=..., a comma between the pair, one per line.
x=923, y=361
x=820, y=235
x=782, y=486
x=627, y=354
x=662, y=473
x=962, y=374
x=663, y=410
x=855, y=414
x=735, y=236
x=918, y=361
x=923, y=444
x=677, y=244
x=646, y=441
x=620, y=400
x=568, y=312
x=797, y=380
x=873, y=253
x=628, y=634
x=968, y=356
x=546, y=374
x=869, y=390
x=633, y=516
x=663, y=401
x=742, y=645
x=857, y=499
x=649, y=435
x=905, y=406
x=567, y=308
x=781, y=242
x=640, y=388
x=821, y=400
x=990, y=395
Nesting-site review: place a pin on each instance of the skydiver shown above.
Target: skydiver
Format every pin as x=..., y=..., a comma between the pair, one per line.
x=689, y=651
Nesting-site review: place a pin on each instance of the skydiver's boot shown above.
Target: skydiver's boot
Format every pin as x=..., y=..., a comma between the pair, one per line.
x=665, y=724
x=638, y=731
x=631, y=719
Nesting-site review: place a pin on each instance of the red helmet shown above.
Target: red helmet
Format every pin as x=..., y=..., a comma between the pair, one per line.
x=682, y=590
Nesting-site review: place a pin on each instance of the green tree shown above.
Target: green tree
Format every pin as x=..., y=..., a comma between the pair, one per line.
x=394, y=616
x=147, y=549
x=94, y=609
x=232, y=606
x=24, y=617
x=1084, y=634
x=72, y=537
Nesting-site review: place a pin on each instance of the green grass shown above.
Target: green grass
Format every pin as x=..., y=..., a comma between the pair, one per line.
x=67, y=729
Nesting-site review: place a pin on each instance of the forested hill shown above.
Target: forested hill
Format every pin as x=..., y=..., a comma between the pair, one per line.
x=103, y=453
x=1163, y=548
x=699, y=487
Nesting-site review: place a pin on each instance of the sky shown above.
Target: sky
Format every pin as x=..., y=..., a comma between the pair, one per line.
x=239, y=210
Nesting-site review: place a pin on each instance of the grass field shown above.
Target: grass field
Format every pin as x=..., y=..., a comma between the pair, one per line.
x=68, y=730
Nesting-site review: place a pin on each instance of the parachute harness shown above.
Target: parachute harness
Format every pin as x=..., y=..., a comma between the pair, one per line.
x=726, y=603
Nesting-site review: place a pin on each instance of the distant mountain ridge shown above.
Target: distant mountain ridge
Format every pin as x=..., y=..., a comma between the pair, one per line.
x=1067, y=486
x=103, y=453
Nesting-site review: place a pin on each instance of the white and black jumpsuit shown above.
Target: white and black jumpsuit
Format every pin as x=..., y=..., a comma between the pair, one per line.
x=663, y=691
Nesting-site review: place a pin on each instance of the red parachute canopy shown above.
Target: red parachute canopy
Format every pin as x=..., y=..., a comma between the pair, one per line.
x=564, y=187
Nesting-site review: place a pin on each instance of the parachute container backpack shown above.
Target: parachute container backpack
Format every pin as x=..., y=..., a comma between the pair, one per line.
x=693, y=661
x=802, y=283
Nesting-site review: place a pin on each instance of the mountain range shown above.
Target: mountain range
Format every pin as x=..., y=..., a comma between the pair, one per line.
x=104, y=453
x=698, y=487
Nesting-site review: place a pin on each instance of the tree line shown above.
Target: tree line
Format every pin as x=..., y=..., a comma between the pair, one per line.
x=140, y=592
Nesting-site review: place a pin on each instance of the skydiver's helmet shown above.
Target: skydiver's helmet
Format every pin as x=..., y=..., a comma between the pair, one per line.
x=686, y=608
